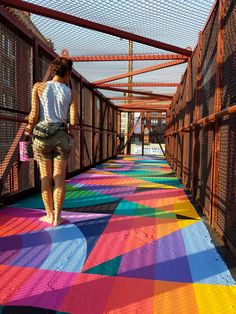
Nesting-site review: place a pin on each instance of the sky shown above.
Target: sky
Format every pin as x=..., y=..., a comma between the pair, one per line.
x=173, y=22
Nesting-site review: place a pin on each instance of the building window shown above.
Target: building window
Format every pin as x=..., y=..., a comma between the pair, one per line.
x=154, y=113
x=4, y=100
x=7, y=101
x=6, y=75
x=10, y=102
x=8, y=46
x=154, y=121
x=163, y=121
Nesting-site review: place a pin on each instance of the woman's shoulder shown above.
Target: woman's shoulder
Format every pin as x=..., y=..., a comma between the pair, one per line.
x=39, y=86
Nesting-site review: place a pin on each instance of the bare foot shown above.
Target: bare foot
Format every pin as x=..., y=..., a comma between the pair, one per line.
x=47, y=219
x=58, y=222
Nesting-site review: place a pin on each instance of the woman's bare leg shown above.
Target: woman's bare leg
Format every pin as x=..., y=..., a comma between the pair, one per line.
x=59, y=174
x=45, y=168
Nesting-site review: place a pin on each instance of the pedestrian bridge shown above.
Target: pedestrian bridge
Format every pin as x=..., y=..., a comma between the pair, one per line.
x=132, y=241
x=150, y=207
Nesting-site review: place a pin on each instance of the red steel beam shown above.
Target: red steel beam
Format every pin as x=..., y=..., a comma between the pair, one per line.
x=153, y=108
x=131, y=91
x=145, y=103
x=157, y=105
x=140, y=71
x=138, y=57
x=134, y=98
x=140, y=109
x=148, y=84
x=68, y=18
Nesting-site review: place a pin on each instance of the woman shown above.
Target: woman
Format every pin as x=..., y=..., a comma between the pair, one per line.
x=52, y=103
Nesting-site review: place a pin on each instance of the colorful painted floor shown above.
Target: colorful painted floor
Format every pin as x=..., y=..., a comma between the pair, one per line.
x=131, y=243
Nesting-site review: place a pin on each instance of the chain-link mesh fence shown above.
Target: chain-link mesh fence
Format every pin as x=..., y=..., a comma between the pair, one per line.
x=24, y=59
x=208, y=139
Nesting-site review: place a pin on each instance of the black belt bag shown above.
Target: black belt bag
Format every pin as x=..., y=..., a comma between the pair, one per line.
x=45, y=130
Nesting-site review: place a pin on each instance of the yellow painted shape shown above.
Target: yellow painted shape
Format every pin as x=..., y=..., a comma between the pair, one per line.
x=168, y=200
x=215, y=299
x=174, y=298
x=185, y=223
x=146, y=184
x=166, y=226
x=167, y=203
x=102, y=173
x=185, y=208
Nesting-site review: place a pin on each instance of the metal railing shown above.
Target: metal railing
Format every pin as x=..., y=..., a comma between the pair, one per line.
x=201, y=126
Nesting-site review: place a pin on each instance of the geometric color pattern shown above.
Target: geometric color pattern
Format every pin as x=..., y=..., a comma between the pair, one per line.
x=131, y=242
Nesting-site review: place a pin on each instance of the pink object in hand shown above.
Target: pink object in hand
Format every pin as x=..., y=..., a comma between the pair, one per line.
x=24, y=151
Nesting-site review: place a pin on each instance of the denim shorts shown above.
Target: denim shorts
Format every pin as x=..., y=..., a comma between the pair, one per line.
x=57, y=146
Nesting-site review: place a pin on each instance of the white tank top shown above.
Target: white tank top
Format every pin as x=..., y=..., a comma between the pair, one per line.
x=54, y=102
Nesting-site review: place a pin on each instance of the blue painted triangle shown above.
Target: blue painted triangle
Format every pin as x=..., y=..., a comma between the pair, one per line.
x=92, y=230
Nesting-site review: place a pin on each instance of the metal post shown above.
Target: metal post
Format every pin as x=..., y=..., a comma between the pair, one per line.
x=130, y=81
x=217, y=108
x=118, y=142
x=35, y=79
x=81, y=125
x=171, y=145
x=186, y=143
x=93, y=128
x=107, y=132
x=101, y=126
x=196, y=117
x=142, y=132
x=179, y=136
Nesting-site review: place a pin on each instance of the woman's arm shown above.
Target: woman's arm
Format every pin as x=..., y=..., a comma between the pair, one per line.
x=34, y=113
x=73, y=109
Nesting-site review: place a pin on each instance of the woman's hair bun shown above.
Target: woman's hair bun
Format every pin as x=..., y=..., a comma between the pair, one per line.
x=60, y=66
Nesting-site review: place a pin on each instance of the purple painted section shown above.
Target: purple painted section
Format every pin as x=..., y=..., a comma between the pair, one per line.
x=163, y=259
x=76, y=217
x=9, y=249
x=171, y=261
x=20, y=212
x=139, y=263
x=80, y=176
x=35, y=249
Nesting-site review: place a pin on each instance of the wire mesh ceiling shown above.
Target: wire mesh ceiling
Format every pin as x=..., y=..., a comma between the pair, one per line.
x=173, y=22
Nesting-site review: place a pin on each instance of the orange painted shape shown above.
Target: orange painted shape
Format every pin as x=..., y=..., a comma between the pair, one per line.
x=147, y=230
x=103, y=173
x=159, y=199
x=131, y=295
x=15, y=224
